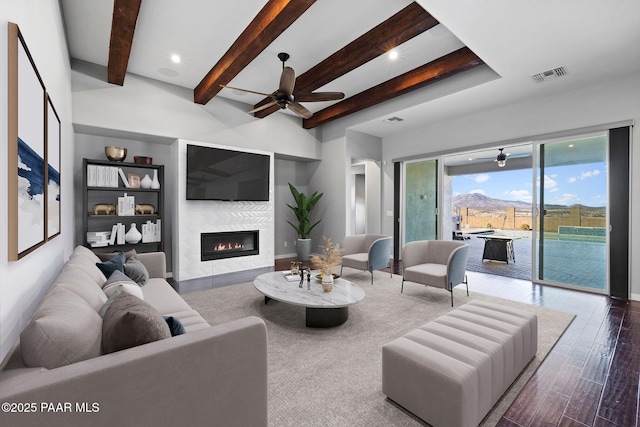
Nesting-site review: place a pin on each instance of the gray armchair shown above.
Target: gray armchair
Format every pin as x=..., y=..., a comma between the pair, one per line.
x=438, y=263
x=367, y=252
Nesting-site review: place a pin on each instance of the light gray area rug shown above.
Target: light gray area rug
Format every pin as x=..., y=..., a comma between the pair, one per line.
x=333, y=377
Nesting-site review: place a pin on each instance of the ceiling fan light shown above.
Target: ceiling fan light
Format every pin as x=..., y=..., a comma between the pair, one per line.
x=501, y=159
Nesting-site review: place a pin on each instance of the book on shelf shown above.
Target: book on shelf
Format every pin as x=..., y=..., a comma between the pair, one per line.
x=114, y=231
x=126, y=205
x=151, y=232
x=102, y=176
x=124, y=178
x=120, y=234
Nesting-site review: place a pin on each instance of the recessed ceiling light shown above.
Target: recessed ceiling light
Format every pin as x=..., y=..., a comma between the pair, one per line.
x=570, y=145
x=393, y=54
x=175, y=59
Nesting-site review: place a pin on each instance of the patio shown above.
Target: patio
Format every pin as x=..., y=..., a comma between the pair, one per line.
x=572, y=262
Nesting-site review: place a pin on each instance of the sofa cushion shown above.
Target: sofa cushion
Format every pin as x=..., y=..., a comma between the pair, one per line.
x=163, y=297
x=117, y=282
x=81, y=284
x=87, y=253
x=175, y=325
x=130, y=322
x=433, y=274
x=80, y=262
x=359, y=261
x=136, y=271
x=107, y=256
x=115, y=263
x=64, y=329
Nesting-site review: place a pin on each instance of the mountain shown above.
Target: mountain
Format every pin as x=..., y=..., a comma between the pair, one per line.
x=476, y=200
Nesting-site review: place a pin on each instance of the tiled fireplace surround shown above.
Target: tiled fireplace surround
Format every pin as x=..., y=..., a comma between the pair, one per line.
x=194, y=217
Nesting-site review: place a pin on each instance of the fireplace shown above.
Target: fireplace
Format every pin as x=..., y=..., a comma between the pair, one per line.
x=228, y=244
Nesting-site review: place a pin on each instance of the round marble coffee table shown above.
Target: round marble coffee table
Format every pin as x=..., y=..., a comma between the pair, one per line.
x=323, y=309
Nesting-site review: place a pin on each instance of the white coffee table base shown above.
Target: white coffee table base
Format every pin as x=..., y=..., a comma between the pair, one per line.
x=323, y=309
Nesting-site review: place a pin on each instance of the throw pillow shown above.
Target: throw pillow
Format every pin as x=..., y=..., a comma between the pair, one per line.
x=136, y=271
x=110, y=255
x=108, y=303
x=175, y=325
x=130, y=322
x=115, y=263
x=64, y=329
x=118, y=281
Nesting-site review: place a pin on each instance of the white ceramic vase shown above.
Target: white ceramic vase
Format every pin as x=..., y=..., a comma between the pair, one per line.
x=155, y=184
x=146, y=182
x=133, y=235
x=327, y=281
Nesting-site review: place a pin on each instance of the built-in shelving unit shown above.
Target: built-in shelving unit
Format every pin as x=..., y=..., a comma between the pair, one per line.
x=98, y=194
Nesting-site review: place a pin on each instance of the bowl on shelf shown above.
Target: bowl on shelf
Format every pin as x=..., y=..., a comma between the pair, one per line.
x=115, y=154
x=143, y=160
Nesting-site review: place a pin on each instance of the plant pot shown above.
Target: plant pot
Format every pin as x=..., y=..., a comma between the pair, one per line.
x=303, y=249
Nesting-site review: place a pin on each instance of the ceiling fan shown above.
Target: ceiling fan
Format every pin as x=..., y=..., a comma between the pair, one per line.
x=284, y=96
x=502, y=157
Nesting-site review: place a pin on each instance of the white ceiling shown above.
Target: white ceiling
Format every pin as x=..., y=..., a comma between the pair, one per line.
x=595, y=40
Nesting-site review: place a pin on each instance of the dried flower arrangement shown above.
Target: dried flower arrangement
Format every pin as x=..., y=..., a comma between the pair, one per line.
x=330, y=258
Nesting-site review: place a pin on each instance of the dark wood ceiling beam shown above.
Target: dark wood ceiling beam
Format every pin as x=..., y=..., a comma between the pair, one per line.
x=404, y=25
x=447, y=66
x=275, y=17
x=123, y=26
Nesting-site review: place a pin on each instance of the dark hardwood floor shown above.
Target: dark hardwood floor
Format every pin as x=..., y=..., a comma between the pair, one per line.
x=592, y=375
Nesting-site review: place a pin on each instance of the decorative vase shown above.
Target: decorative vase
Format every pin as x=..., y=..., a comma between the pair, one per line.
x=155, y=184
x=145, y=182
x=133, y=235
x=327, y=281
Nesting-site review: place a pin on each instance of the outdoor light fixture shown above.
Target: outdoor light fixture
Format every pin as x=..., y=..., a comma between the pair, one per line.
x=501, y=159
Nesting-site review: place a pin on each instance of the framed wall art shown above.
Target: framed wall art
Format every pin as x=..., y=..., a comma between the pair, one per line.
x=26, y=150
x=53, y=170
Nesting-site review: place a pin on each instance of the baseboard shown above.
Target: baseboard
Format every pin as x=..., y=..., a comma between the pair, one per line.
x=220, y=280
x=293, y=255
x=635, y=297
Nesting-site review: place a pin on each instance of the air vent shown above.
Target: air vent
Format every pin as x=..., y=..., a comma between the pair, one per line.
x=549, y=74
x=393, y=119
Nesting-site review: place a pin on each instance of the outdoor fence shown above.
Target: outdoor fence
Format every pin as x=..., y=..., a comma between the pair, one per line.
x=521, y=219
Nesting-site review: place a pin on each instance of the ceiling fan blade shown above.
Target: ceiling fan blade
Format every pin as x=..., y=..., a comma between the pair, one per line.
x=287, y=80
x=263, y=107
x=318, y=96
x=300, y=110
x=246, y=90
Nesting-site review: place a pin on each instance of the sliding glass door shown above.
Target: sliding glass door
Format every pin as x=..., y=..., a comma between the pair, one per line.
x=571, y=227
x=420, y=213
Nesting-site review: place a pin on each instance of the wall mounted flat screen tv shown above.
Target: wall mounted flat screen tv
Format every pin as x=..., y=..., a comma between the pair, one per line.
x=218, y=174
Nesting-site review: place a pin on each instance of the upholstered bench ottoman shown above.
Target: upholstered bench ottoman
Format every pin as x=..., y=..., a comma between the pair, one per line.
x=452, y=370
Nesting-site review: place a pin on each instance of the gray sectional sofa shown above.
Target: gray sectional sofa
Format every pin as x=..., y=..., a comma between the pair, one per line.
x=58, y=374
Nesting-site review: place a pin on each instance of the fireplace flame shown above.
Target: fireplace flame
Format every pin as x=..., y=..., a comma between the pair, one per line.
x=227, y=247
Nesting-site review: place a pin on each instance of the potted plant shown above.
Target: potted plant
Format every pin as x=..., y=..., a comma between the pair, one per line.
x=302, y=209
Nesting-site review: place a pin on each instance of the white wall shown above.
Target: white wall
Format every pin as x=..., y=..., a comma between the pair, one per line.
x=610, y=102
x=296, y=173
x=332, y=177
x=151, y=107
x=24, y=282
x=194, y=217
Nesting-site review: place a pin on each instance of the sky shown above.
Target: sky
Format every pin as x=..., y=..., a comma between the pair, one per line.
x=584, y=184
